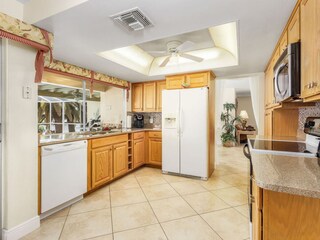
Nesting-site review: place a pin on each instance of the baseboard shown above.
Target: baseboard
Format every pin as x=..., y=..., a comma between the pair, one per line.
x=21, y=230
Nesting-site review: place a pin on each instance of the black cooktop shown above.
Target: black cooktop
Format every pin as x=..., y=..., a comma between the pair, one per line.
x=283, y=146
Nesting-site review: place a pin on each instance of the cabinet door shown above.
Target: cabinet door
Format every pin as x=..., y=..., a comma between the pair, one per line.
x=294, y=28
x=310, y=47
x=120, y=159
x=283, y=43
x=137, y=97
x=175, y=82
x=101, y=165
x=269, y=94
x=155, y=151
x=197, y=79
x=268, y=123
x=161, y=85
x=138, y=152
x=256, y=211
x=149, y=97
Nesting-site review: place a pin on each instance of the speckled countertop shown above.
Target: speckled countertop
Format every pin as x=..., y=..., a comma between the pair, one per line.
x=288, y=174
x=45, y=140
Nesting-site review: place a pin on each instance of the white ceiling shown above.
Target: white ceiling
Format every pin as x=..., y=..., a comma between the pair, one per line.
x=84, y=30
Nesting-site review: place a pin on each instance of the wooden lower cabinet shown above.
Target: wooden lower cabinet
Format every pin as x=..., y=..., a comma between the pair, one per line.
x=155, y=151
x=120, y=159
x=279, y=216
x=101, y=165
x=138, y=152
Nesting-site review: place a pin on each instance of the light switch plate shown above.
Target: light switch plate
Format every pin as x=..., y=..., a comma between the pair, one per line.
x=26, y=92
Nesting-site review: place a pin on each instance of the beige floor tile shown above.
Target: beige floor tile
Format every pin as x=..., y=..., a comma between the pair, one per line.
x=128, y=196
x=191, y=228
x=188, y=187
x=132, y=216
x=159, y=192
x=244, y=210
x=175, y=178
x=171, y=208
x=50, y=229
x=152, y=232
x=87, y=225
x=205, y=202
x=214, y=183
x=94, y=201
x=104, y=237
x=235, y=179
x=125, y=183
x=228, y=223
x=232, y=196
x=147, y=171
x=150, y=180
x=62, y=213
x=243, y=188
x=103, y=191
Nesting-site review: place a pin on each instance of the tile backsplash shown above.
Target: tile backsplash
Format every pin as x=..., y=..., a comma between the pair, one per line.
x=155, y=115
x=308, y=112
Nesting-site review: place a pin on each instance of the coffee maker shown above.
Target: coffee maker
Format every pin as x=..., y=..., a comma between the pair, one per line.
x=138, y=121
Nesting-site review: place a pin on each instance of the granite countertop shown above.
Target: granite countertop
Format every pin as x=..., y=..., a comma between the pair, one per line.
x=288, y=174
x=50, y=139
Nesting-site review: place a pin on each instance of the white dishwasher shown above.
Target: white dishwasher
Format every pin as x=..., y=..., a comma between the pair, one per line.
x=63, y=173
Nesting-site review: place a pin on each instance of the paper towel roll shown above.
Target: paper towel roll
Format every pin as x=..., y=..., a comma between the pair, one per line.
x=129, y=123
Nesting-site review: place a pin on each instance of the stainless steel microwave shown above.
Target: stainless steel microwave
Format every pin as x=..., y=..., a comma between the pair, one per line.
x=287, y=74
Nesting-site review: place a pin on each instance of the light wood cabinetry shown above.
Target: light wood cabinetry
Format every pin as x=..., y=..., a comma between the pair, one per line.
x=138, y=149
x=310, y=50
x=149, y=97
x=137, y=97
x=283, y=43
x=146, y=97
x=191, y=80
x=175, y=82
x=107, y=159
x=154, y=148
x=294, y=27
x=268, y=123
x=120, y=159
x=278, y=216
x=161, y=85
x=101, y=165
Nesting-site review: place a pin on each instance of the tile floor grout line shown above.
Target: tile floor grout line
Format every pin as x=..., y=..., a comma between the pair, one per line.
x=111, y=212
x=153, y=211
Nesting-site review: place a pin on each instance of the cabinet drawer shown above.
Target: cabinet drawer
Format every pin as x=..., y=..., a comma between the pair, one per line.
x=100, y=142
x=138, y=135
x=155, y=134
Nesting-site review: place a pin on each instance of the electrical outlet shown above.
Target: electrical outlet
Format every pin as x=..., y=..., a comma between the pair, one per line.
x=26, y=92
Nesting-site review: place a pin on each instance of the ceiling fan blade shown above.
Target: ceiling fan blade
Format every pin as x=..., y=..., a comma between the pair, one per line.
x=165, y=62
x=185, y=46
x=157, y=52
x=191, y=57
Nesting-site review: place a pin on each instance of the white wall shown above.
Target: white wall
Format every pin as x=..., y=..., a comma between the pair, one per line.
x=12, y=8
x=111, y=106
x=93, y=107
x=245, y=103
x=20, y=139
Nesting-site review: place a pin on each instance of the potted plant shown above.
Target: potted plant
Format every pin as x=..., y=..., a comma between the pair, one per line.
x=227, y=137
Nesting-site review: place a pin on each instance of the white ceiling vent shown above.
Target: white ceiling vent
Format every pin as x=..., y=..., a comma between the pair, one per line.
x=133, y=19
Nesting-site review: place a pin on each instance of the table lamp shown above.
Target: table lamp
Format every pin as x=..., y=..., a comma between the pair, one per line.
x=244, y=117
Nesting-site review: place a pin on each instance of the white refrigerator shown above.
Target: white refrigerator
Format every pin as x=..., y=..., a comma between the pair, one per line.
x=185, y=132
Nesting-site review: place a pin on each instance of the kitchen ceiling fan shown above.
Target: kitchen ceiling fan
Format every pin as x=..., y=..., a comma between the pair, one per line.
x=176, y=49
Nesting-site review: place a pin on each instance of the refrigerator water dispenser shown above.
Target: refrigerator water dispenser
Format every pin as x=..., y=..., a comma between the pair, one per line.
x=170, y=121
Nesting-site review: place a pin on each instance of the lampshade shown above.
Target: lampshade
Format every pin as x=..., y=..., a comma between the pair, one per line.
x=244, y=114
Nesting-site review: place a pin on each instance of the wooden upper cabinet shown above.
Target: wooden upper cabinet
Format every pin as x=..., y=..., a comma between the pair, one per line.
x=198, y=79
x=310, y=49
x=175, y=82
x=283, y=43
x=101, y=165
x=120, y=159
x=268, y=123
x=149, y=97
x=294, y=28
x=161, y=85
x=137, y=97
x=138, y=152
